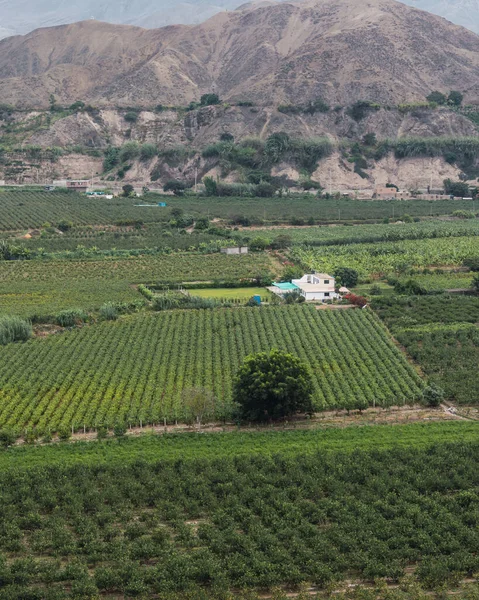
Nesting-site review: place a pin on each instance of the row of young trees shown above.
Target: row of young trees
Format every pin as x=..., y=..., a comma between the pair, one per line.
x=145, y=528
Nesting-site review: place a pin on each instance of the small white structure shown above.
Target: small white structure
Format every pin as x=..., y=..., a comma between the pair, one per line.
x=236, y=250
x=316, y=286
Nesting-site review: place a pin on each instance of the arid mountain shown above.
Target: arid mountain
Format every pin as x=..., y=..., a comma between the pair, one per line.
x=339, y=50
x=23, y=16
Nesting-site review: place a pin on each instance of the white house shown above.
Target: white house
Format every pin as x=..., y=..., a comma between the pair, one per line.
x=316, y=286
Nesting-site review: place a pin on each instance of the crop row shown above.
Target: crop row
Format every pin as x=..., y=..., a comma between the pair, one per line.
x=389, y=257
x=379, y=232
x=26, y=209
x=185, y=528
x=177, y=267
x=135, y=370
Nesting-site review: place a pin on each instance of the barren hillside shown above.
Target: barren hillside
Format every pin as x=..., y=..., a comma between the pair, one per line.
x=340, y=50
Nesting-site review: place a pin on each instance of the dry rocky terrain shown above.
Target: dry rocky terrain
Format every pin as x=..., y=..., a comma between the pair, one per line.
x=339, y=50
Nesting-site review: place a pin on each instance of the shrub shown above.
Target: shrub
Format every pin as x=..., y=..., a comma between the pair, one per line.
x=410, y=287
x=65, y=225
x=472, y=263
x=131, y=116
x=175, y=155
x=360, y=109
x=101, y=432
x=202, y=223
x=456, y=188
x=294, y=297
x=272, y=386
x=14, y=329
x=70, y=318
x=175, y=186
x=64, y=434
x=78, y=105
x=455, y=98
x=227, y=137
x=109, y=311
x=128, y=190
x=148, y=151
x=7, y=438
x=129, y=151
x=112, y=158
x=360, y=301
x=433, y=395
x=437, y=97
x=211, y=188
x=264, y=190
x=209, y=99
x=119, y=430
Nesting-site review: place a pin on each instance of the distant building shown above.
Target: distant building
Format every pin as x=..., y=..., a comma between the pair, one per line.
x=312, y=286
x=390, y=193
x=235, y=250
x=78, y=185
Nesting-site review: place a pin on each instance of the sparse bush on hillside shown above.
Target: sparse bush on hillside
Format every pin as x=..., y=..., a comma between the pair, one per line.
x=131, y=116
x=148, y=151
x=175, y=155
x=361, y=109
x=129, y=151
x=209, y=99
x=437, y=97
x=112, y=158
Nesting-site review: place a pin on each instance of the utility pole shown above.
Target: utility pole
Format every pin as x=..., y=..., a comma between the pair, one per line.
x=196, y=180
x=330, y=183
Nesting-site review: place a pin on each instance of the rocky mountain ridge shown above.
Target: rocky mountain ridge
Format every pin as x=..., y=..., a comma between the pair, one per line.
x=24, y=16
x=339, y=50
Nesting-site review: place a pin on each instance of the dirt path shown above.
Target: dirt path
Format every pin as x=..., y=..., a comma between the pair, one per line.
x=338, y=419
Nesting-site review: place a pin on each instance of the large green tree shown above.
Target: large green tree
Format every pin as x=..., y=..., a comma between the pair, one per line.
x=271, y=386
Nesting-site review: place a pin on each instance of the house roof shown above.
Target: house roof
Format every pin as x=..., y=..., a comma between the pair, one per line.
x=314, y=287
x=323, y=276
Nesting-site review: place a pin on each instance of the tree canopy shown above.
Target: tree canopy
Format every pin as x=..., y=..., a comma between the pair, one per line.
x=346, y=276
x=273, y=385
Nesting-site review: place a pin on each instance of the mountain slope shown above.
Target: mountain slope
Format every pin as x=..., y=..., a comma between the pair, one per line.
x=23, y=16
x=339, y=50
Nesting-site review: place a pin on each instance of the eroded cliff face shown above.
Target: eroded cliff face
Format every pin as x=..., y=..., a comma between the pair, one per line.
x=102, y=128
x=94, y=131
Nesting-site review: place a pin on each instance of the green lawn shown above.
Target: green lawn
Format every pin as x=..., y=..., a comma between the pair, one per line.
x=365, y=289
x=233, y=293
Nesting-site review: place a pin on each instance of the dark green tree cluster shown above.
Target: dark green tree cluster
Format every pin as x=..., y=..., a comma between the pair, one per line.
x=271, y=386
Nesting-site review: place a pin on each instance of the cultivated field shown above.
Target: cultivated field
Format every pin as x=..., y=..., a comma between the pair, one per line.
x=200, y=515
x=389, y=257
x=25, y=209
x=441, y=334
x=43, y=287
x=136, y=369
